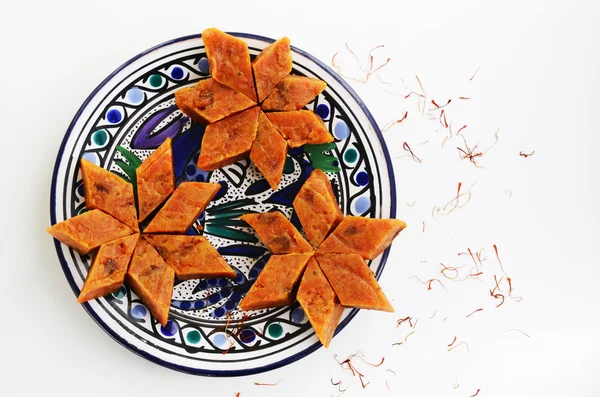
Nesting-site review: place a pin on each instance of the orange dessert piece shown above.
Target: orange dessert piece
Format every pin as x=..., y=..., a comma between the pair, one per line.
x=277, y=232
x=108, y=268
x=107, y=192
x=301, y=127
x=209, y=101
x=229, y=61
x=155, y=179
x=275, y=285
x=317, y=207
x=152, y=280
x=368, y=237
x=183, y=207
x=271, y=66
x=353, y=282
x=228, y=140
x=269, y=151
x=88, y=231
x=319, y=302
x=293, y=93
x=190, y=256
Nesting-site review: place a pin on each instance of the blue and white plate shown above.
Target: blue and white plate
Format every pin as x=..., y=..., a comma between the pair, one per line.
x=126, y=117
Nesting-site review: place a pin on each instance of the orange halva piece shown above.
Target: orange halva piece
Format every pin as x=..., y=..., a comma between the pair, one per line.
x=276, y=283
x=301, y=127
x=183, y=207
x=209, y=101
x=269, y=151
x=229, y=61
x=317, y=207
x=155, y=179
x=88, y=231
x=108, y=268
x=319, y=302
x=271, y=66
x=293, y=93
x=228, y=140
x=107, y=192
x=190, y=256
x=353, y=282
x=277, y=232
x=368, y=237
x=152, y=280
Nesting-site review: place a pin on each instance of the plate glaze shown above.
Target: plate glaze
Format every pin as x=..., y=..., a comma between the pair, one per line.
x=130, y=114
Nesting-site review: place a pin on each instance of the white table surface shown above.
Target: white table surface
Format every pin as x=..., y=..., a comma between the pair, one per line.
x=537, y=83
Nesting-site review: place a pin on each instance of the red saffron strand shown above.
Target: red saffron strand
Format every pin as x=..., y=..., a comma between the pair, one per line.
x=526, y=154
x=238, y=394
x=476, y=393
x=434, y=312
x=402, y=320
x=474, y=311
x=460, y=344
x=464, y=97
x=423, y=226
x=268, y=384
x=460, y=129
x=408, y=149
x=502, y=268
x=474, y=74
x=336, y=383
x=453, y=340
x=388, y=386
x=393, y=122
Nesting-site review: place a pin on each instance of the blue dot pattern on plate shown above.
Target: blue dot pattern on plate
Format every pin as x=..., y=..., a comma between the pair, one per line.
x=135, y=96
x=323, y=111
x=81, y=192
x=362, y=178
x=247, y=336
x=341, y=130
x=169, y=329
x=203, y=66
x=114, y=116
x=177, y=73
x=139, y=312
x=298, y=315
x=219, y=312
x=362, y=205
x=220, y=340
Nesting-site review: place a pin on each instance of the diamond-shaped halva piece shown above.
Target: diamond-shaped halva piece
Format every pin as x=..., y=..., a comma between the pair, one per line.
x=155, y=179
x=270, y=66
x=277, y=232
x=293, y=93
x=269, y=151
x=301, y=127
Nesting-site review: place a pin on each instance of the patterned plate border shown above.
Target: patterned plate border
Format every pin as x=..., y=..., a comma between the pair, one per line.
x=112, y=332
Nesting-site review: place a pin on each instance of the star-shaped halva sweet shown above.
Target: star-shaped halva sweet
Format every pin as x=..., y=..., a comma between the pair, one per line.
x=252, y=107
x=150, y=262
x=328, y=272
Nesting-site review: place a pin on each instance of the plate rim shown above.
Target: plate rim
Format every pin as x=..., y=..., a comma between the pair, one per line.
x=112, y=333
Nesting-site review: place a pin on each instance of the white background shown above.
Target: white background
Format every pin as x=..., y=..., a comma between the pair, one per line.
x=537, y=83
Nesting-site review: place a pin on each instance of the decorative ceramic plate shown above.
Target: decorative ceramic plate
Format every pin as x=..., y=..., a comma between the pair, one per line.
x=126, y=118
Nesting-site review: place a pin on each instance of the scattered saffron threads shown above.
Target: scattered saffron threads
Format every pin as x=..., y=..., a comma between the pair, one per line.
x=394, y=122
x=444, y=141
x=498, y=296
x=383, y=81
x=411, y=204
x=433, y=315
x=406, y=337
x=474, y=74
x=453, y=204
x=402, y=320
x=424, y=96
x=423, y=226
x=414, y=93
x=371, y=364
x=464, y=97
x=460, y=129
x=388, y=386
x=409, y=150
x=268, y=384
x=414, y=326
x=410, y=322
x=352, y=368
x=460, y=344
x=476, y=393
x=517, y=330
x=397, y=343
x=368, y=72
x=438, y=106
x=389, y=370
x=471, y=154
x=497, y=287
x=509, y=193
x=473, y=312
x=451, y=343
x=237, y=394
x=335, y=383
x=526, y=154
x=479, y=255
x=424, y=143
x=456, y=384
x=475, y=274
x=502, y=268
x=429, y=282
